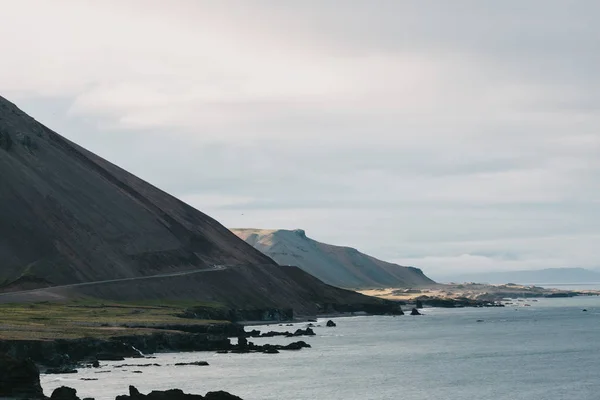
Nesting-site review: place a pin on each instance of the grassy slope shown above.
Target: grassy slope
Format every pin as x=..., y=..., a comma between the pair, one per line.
x=90, y=318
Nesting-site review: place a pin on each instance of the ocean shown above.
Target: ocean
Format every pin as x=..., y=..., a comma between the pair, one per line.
x=548, y=350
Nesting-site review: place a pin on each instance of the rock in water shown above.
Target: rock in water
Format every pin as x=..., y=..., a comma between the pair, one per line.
x=415, y=312
x=175, y=394
x=64, y=393
x=419, y=304
x=19, y=379
x=221, y=395
x=331, y=324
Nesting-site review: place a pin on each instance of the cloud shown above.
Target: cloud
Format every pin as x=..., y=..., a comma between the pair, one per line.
x=394, y=127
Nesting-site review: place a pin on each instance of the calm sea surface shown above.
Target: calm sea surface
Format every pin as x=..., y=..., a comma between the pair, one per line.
x=548, y=350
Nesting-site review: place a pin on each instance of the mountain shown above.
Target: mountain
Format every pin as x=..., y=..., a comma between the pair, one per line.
x=335, y=265
x=69, y=217
x=540, y=277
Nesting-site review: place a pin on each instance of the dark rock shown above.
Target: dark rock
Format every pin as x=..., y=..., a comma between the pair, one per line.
x=584, y=310
x=296, y=346
x=270, y=350
x=222, y=352
x=19, y=378
x=197, y=363
x=64, y=393
x=331, y=324
x=109, y=357
x=414, y=311
x=419, y=304
x=133, y=392
x=96, y=364
x=305, y=332
x=136, y=372
x=221, y=395
x=173, y=394
x=61, y=370
x=253, y=333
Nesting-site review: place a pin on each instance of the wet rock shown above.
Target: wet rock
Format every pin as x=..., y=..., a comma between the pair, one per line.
x=64, y=393
x=414, y=311
x=331, y=324
x=221, y=395
x=296, y=346
x=419, y=304
x=253, y=333
x=304, y=332
x=197, y=363
x=19, y=378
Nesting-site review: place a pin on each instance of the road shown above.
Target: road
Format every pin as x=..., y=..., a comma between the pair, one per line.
x=195, y=271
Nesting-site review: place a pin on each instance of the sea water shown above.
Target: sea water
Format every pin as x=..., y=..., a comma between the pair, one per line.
x=549, y=349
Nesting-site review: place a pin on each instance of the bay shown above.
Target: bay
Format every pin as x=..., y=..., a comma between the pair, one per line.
x=546, y=350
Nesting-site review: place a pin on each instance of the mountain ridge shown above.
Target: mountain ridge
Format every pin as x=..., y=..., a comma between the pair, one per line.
x=336, y=265
x=68, y=216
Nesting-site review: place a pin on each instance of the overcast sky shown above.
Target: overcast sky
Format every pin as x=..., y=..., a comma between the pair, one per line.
x=449, y=135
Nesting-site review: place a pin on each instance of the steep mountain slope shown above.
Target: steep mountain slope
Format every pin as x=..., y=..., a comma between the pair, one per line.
x=336, y=265
x=68, y=216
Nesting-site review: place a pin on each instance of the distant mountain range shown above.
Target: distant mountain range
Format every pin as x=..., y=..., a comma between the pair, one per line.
x=336, y=265
x=543, y=276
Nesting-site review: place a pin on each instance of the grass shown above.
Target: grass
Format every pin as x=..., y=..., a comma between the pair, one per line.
x=92, y=318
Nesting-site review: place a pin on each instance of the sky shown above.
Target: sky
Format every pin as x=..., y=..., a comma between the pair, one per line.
x=453, y=136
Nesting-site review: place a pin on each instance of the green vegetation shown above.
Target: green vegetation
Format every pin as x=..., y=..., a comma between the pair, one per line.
x=93, y=318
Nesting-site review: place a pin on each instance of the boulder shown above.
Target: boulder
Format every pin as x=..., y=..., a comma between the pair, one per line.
x=19, y=379
x=64, y=393
x=296, y=346
x=304, y=332
x=331, y=324
x=419, y=304
x=415, y=312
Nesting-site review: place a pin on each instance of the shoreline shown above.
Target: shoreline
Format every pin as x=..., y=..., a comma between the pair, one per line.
x=472, y=294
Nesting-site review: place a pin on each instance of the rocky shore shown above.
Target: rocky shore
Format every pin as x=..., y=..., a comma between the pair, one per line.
x=20, y=379
x=66, y=355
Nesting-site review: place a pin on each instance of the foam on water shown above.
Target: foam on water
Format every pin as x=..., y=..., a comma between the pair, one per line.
x=549, y=350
